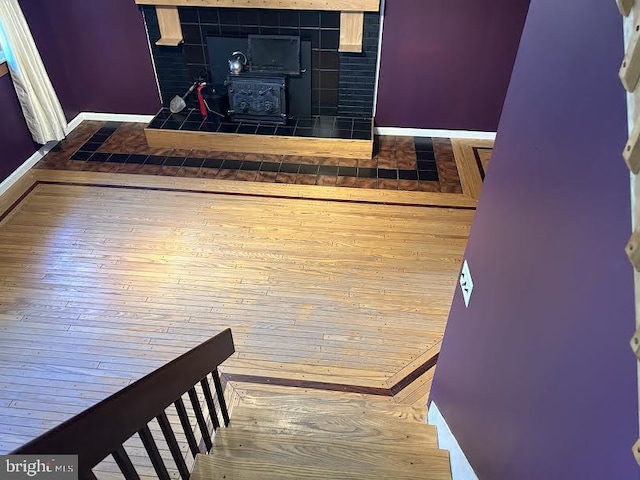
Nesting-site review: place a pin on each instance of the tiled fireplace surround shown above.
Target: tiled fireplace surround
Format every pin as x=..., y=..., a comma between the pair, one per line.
x=342, y=83
x=343, y=87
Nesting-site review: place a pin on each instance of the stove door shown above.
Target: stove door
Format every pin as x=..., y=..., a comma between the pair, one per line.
x=257, y=98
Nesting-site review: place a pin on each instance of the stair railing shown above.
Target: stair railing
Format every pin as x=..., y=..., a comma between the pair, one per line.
x=103, y=429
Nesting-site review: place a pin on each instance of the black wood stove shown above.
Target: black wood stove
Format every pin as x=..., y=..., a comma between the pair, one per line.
x=260, y=94
x=255, y=97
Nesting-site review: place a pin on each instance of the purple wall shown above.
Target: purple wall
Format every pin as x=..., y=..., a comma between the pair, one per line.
x=536, y=377
x=46, y=41
x=96, y=54
x=16, y=144
x=447, y=63
x=457, y=56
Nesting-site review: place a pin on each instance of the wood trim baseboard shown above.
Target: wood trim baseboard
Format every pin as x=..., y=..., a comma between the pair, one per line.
x=4, y=69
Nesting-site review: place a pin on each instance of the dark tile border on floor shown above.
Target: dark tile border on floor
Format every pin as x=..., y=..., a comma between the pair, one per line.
x=327, y=175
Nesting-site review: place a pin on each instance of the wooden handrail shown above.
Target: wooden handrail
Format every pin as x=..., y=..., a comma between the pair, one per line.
x=102, y=429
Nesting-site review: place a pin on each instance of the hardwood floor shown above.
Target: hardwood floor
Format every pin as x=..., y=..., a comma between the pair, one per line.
x=106, y=277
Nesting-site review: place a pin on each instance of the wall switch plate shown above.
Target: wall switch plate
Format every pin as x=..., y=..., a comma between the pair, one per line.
x=466, y=283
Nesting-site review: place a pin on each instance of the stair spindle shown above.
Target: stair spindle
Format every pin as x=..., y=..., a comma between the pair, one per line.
x=154, y=455
x=220, y=393
x=210, y=403
x=172, y=443
x=89, y=476
x=186, y=426
x=193, y=396
x=124, y=464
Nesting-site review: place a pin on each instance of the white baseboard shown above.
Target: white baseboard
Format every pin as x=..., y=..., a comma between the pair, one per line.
x=35, y=158
x=73, y=124
x=116, y=117
x=460, y=467
x=428, y=132
x=25, y=167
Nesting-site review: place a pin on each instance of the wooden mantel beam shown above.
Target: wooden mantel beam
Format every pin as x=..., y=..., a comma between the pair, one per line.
x=326, y=5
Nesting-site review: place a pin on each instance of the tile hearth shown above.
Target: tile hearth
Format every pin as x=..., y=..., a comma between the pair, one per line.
x=399, y=163
x=348, y=128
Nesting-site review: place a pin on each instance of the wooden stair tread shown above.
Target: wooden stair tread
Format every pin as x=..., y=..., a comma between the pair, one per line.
x=227, y=468
x=363, y=427
x=332, y=454
x=338, y=406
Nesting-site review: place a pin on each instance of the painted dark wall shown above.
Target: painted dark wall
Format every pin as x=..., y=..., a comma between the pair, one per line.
x=536, y=377
x=16, y=144
x=447, y=63
x=96, y=54
x=47, y=42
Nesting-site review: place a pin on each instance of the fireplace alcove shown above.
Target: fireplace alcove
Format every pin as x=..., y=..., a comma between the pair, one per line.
x=336, y=88
x=274, y=84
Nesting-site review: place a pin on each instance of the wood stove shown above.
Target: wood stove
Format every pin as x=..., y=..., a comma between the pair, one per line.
x=257, y=97
x=260, y=94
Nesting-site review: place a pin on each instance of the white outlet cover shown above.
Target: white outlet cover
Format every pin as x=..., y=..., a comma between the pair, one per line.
x=466, y=283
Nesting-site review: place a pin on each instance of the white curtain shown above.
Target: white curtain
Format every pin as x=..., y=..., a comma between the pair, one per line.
x=40, y=104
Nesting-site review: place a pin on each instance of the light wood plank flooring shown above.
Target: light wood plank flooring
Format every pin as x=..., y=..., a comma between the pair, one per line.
x=103, y=284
